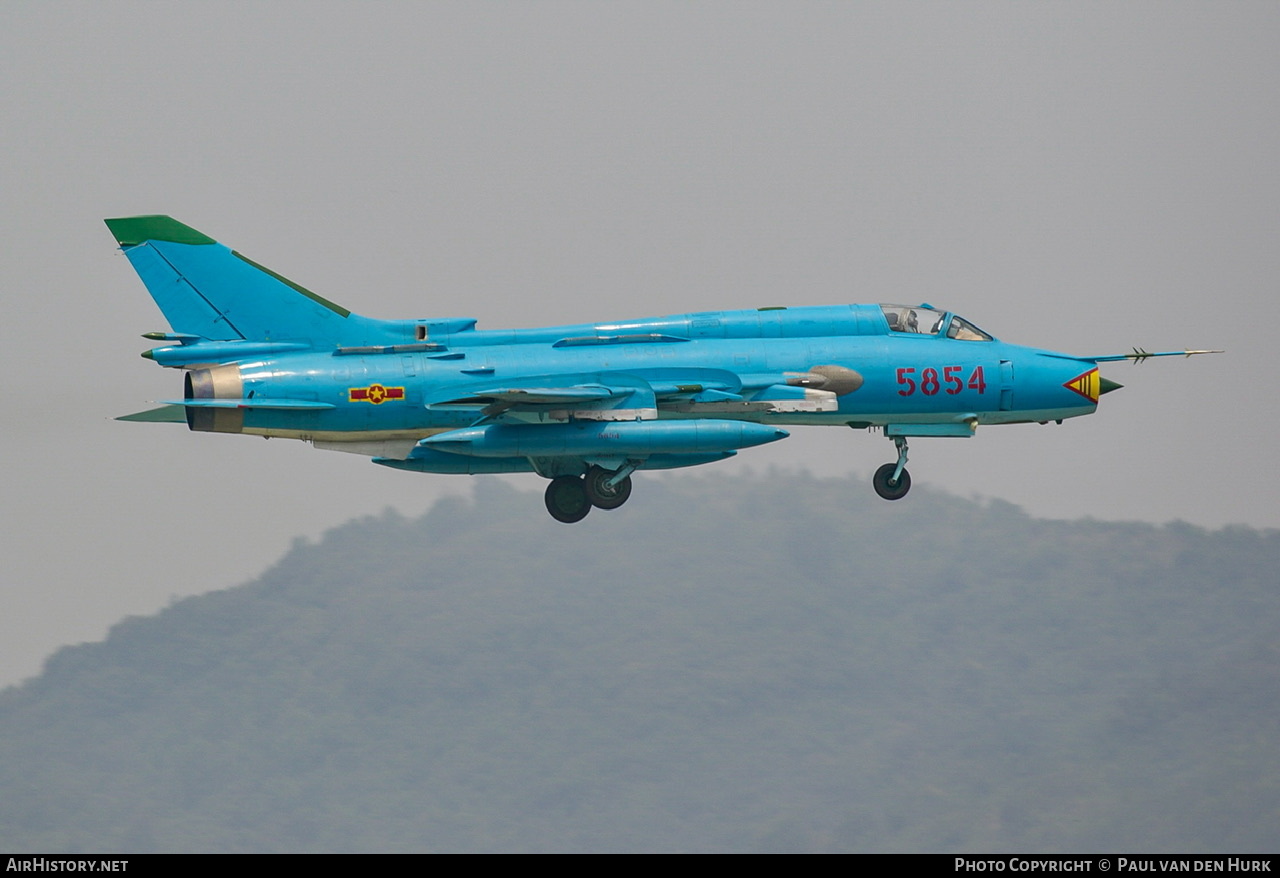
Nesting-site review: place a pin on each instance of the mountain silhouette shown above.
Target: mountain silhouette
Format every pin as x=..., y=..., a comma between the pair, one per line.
x=767, y=663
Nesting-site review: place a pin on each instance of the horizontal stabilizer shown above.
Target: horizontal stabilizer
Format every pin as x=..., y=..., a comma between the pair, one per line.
x=166, y=414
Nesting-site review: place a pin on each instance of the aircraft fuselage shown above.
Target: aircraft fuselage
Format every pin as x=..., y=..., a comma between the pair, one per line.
x=906, y=378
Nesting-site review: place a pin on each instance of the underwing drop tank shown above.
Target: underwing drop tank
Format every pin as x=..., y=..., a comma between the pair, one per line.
x=632, y=439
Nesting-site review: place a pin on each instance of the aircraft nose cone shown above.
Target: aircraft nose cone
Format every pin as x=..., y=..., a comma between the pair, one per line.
x=1106, y=385
x=1086, y=384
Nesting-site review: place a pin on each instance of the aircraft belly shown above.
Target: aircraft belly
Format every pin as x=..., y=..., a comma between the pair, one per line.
x=1037, y=415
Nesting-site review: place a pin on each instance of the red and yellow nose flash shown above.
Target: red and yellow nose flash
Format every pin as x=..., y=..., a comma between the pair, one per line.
x=374, y=393
x=1088, y=385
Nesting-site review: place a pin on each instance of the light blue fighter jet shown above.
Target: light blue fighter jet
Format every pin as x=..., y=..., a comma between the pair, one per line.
x=584, y=406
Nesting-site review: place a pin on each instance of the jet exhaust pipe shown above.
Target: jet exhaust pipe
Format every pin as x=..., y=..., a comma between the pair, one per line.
x=218, y=382
x=614, y=439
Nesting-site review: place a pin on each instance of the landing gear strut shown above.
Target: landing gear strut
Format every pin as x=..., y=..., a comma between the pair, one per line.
x=606, y=489
x=892, y=481
x=570, y=498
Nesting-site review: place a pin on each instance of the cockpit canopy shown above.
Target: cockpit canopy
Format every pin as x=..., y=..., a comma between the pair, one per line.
x=927, y=320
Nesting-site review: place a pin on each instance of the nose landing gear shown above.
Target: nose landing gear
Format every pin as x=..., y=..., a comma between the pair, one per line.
x=892, y=481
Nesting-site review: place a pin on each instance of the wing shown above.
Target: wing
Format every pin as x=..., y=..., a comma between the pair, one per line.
x=646, y=394
x=587, y=396
x=611, y=420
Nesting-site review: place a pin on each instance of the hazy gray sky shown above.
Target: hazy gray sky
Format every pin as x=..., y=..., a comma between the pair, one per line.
x=1079, y=176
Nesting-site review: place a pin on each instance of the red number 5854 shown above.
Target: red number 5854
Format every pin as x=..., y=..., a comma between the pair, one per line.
x=929, y=384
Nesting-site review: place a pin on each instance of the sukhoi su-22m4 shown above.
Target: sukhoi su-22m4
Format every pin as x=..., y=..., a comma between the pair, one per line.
x=584, y=406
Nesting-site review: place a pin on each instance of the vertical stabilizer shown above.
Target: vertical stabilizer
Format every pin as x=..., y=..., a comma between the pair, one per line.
x=207, y=289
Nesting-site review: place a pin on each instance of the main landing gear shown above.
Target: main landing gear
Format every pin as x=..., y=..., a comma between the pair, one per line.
x=570, y=498
x=892, y=481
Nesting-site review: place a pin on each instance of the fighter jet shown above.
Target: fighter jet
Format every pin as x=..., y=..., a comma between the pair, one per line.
x=584, y=406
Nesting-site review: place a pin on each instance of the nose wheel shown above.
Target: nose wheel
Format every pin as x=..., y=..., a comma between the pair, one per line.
x=892, y=481
x=887, y=486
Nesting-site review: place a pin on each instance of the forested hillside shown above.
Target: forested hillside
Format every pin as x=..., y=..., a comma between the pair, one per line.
x=763, y=664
